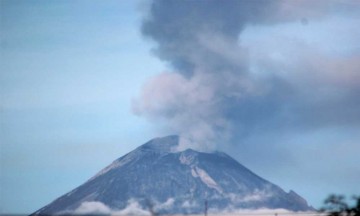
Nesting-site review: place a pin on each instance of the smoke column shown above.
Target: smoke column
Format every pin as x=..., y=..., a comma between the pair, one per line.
x=216, y=92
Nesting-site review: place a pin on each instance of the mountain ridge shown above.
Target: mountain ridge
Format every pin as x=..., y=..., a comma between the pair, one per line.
x=179, y=181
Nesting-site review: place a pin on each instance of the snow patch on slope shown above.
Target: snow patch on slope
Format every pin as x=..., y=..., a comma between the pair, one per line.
x=205, y=178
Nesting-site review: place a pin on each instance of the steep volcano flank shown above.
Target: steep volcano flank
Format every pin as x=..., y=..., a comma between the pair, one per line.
x=156, y=173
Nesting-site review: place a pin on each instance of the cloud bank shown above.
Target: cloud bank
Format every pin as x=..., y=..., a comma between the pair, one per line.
x=220, y=88
x=134, y=208
x=99, y=208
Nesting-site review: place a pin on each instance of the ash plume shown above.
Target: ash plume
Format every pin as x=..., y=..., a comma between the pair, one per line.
x=218, y=89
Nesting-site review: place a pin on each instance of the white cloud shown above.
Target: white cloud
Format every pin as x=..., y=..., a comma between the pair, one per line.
x=99, y=208
x=189, y=204
x=257, y=195
x=92, y=207
x=264, y=211
x=133, y=208
x=166, y=205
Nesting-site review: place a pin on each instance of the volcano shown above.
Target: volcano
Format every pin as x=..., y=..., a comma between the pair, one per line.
x=156, y=177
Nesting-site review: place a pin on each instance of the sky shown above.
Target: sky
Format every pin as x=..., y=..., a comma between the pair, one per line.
x=274, y=84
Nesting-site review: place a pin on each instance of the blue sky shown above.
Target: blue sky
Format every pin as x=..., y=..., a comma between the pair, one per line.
x=70, y=71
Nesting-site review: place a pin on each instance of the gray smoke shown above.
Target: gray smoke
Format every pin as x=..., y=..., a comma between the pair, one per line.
x=219, y=90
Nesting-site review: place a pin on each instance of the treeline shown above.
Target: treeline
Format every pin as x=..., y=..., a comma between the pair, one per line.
x=338, y=205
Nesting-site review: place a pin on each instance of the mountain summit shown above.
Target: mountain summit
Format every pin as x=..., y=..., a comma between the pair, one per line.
x=157, y=177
